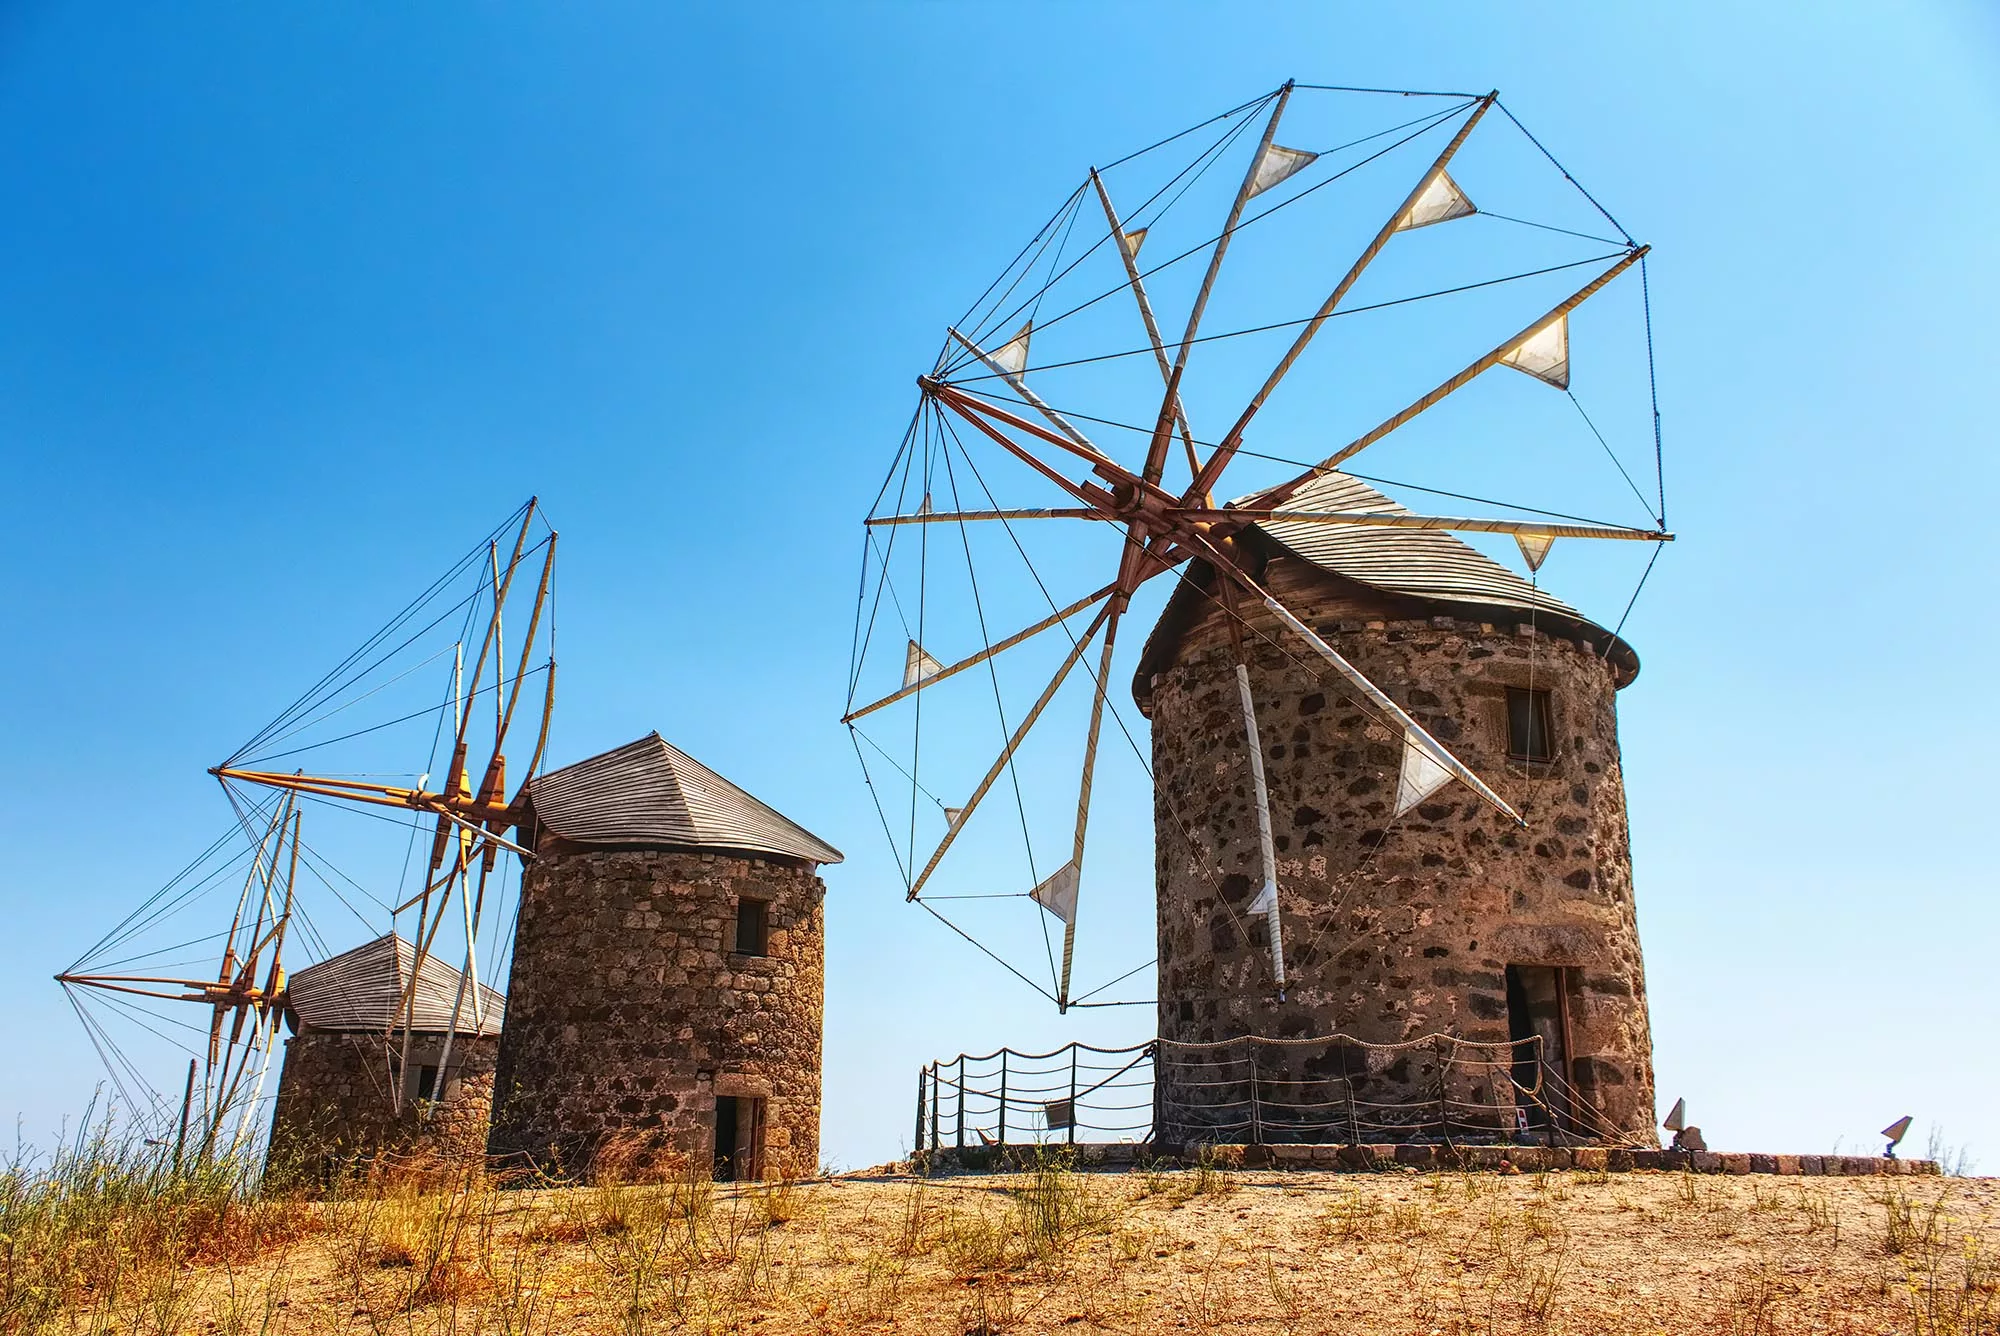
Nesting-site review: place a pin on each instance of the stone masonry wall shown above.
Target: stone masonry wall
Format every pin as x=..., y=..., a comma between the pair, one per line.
x=335, y=1105
x=1396, y=929
x=629, y=1011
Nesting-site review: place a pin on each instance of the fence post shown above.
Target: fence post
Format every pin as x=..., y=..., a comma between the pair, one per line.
x=1001, y=1135
x=961, y=1101
x=923, y=1077
x=1072, y=1094
x=937, y=1103
x=1353, y=1120
x=1256, y=1109
x=1444, y=1107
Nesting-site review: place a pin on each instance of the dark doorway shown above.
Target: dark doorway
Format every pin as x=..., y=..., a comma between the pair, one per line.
x=725, y=1138
x=739, y=1137
x=1538, y=1023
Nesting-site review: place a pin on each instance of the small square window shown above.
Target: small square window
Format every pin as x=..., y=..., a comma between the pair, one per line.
x=1530, y=736
x=753, y=927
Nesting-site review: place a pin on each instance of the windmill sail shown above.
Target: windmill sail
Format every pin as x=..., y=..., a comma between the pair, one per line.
x=1057, y=894
x=1534, y=548
x=918, y=665
x=1421, y=775
x=1012, y=356
x=1133, y=240
x=1544, y=354
x=1441, y=201
x=1276, y=165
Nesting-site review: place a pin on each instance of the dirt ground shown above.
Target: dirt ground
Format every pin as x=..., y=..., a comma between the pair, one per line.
x=1137, y=1252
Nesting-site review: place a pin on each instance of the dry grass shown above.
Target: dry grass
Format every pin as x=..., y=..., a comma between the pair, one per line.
x=1154, y=1250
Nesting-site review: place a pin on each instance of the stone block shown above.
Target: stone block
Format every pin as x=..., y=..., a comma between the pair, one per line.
x=1785, y=1164
x=1292, y=1157
x=1593, y=1159
x=1484, y=1158
x=1416, y=1157
x=1707, y=1162
x=1812, y=1166
x=1618, y=1161
x=1735, y=1162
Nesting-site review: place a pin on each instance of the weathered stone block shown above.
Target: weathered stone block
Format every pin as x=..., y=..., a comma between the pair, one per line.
x=1813, y=1166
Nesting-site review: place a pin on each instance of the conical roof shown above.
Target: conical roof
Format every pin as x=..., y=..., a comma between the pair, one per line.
x=363, y=989
x=1427, y=566
x=651, y=794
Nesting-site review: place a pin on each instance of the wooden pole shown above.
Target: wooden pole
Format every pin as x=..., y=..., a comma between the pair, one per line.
x=1116, y=608
x=1154, y=469
x=1021, y=731
x=1019, y=384
x=187, y=1102
x=983, y=655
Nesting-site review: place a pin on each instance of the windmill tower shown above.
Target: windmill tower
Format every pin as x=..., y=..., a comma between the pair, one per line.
x=669, y=973
x=351, y=1089
x=1414, y=908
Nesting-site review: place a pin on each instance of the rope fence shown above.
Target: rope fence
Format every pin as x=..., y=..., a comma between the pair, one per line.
x=1256, y=1090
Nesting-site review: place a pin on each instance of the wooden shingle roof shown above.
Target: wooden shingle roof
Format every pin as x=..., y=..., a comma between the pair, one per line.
x=1421, y=563
x=650, y=794
x=362, y=989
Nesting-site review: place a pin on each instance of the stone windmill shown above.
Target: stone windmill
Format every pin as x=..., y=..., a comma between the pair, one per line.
x=1374, y=747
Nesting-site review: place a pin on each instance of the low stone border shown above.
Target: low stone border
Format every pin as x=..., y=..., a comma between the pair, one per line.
x=1372, y=1158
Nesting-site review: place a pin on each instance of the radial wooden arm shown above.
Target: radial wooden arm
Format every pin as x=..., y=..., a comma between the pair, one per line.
x=1204, y=482
x=1376, y=519
x=1060, y=615
x=465, y=813
x=1019, y=384
x=968, y=516
x=1276, y=496
x=1156, y=458
x=1117, y=609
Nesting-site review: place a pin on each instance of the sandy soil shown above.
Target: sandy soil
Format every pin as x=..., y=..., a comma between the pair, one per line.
x=1191, y=1250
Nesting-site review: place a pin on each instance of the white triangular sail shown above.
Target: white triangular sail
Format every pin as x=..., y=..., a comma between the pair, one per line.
x=1276, y=164
x=1439, y=202
x=1133, y=240
x=1677, y=1118
x=1421, y=777
x=952, y=814
x=1013, y=355
x=1534, y=548
x=1058, y=893
x=919, y=666
x=925, y=508
x=1544, y=354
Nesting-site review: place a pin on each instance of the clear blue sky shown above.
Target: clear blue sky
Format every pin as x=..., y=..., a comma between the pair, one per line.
x=296, y=302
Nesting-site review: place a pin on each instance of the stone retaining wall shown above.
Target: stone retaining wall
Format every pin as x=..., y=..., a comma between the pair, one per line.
x=1388, y=1157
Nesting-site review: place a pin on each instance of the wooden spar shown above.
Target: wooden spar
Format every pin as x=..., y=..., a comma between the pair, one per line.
x=1279, y=494
x=527, y=645
x=499, y=650
x=1006, y=753
x=1019, y=383
x=1116, y=609
x=486, y=641
x=381, y=795
x=1110, y=470
x=187, y=1101
x=1206, y=479
x=983, y=655
x=966, y=516
x=1000, y=438
x=1243, y=193
x=1375, y=519
x=1154, y=469
x=975, y=410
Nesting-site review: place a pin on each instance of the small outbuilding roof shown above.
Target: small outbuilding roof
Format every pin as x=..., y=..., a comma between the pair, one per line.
x=1428, y=566
x=651, y=794
x=363, y=989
